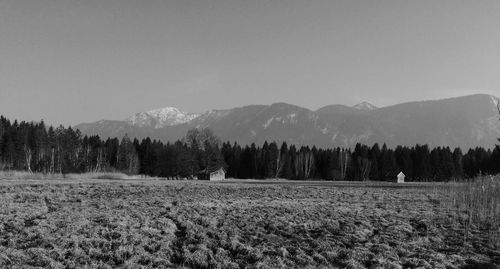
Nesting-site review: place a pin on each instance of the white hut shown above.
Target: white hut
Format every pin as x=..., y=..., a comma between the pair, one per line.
x=401, y=177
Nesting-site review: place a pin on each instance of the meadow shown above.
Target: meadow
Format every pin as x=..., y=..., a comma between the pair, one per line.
x=103, y=223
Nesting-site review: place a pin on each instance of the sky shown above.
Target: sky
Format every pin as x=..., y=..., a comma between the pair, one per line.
x=74, y=61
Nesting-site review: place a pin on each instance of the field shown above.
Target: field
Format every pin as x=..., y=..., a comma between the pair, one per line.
x=186, y=224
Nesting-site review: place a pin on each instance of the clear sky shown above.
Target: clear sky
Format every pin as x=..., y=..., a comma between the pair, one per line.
x=73, y=61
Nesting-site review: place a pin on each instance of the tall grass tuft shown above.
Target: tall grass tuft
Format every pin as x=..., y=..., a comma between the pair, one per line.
x=479, y=200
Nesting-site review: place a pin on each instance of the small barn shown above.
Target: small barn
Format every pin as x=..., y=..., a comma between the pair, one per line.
x=216, y=174
x=400, y=177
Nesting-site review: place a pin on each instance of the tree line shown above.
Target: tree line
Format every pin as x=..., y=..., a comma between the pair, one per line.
x=419, y=163
x=34, y=147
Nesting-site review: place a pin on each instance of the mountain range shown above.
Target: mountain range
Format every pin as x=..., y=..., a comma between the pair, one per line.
x=465, y=122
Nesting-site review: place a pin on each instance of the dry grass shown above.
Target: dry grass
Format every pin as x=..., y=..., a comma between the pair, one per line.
x=23, y=175
x=478, y=204
x=186, y=224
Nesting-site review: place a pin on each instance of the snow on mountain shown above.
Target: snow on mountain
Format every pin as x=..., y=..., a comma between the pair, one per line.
x=159, y=118
x=365, y=106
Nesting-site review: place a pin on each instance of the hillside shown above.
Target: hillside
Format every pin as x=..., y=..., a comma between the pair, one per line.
x=467, y=121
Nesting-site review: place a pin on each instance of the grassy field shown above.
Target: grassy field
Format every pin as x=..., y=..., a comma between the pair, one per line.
x=102, y=223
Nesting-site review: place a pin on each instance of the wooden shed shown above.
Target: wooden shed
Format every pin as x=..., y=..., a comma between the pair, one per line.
x=216, y=174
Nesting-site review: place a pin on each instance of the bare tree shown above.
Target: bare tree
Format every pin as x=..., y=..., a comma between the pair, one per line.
x=28, y=157
x=279, y=164
x=366, y=165
x=98, y=166
x=304, y=164
x=343, y=161
x=307, y=163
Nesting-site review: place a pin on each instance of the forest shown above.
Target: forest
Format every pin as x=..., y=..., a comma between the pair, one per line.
x=37, y=148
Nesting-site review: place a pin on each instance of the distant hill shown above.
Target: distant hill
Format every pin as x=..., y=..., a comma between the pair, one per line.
x=465, y=122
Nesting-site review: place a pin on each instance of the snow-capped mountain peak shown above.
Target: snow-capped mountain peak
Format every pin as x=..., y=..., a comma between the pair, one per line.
x=365, y=106
x=159, y=118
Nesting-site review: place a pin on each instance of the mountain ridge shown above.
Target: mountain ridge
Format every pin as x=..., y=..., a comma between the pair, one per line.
x=465, y=122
